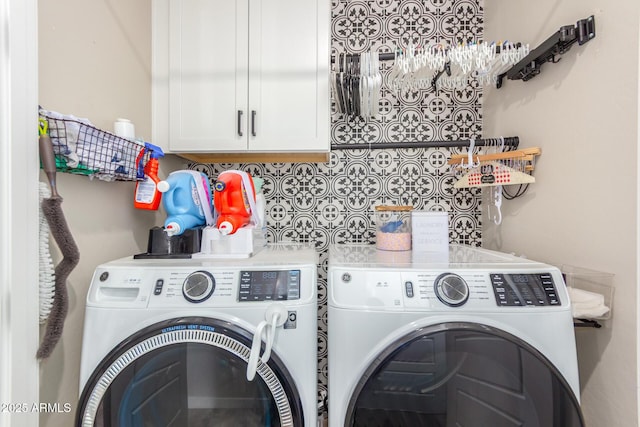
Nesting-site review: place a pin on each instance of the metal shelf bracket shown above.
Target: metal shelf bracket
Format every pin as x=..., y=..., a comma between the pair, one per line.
x=551, y=50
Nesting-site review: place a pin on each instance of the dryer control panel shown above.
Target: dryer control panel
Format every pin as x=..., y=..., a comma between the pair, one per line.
x=445, y=289
x=524, y=289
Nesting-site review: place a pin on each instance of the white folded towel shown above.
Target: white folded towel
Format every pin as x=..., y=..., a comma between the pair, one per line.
x=585, y=304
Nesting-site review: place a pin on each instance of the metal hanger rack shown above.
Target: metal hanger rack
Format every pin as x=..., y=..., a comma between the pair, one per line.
x=351, y=61
x=558, y=44
x=530, y=66
x=527, y=68
x=509, y=142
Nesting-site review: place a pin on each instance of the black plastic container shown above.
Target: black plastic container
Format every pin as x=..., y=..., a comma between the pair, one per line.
x=161, y=245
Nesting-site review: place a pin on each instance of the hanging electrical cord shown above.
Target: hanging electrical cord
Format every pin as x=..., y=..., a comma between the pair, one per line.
x=522, y=189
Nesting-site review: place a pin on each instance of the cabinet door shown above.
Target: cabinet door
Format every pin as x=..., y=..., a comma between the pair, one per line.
x=289, y=75
x=208, y=41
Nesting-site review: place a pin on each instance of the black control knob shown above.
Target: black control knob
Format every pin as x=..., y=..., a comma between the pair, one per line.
x=198, y=286
x=451, y=289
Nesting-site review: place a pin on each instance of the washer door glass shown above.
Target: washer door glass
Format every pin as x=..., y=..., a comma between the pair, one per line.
x=190, y=372
x=460, y=374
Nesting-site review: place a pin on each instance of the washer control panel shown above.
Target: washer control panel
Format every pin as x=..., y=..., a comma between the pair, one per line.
x=203, y=286
x=269, y=285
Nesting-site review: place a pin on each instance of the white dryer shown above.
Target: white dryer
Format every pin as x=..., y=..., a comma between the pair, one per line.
x=169, y=342
x=468, y=338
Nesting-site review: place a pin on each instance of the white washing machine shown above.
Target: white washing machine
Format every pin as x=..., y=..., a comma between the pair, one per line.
x=468, y=338
x=224, y=342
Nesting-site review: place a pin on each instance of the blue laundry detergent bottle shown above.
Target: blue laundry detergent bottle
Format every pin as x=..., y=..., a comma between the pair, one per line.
x=187, y=201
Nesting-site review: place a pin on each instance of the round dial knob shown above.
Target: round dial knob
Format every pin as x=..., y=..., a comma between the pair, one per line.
x=198, y=286
x=451, y=289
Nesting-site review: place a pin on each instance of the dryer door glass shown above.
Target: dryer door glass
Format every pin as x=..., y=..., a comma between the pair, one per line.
x=459, y=374
x=188, y=374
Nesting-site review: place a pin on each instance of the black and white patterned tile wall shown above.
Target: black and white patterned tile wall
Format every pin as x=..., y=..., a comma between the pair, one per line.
x=334, y=202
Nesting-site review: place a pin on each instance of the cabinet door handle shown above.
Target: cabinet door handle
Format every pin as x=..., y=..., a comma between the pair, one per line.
x=239, y=122
x=253, y=122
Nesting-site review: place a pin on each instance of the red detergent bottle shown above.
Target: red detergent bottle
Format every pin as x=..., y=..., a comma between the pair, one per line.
x=146, y=195
x=234, y=198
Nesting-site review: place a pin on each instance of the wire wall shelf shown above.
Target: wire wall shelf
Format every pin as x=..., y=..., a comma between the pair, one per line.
x=81, y=148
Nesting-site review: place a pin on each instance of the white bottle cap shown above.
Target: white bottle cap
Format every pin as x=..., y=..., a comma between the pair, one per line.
x=225, y=228
x=172, y=229
x=163, y=186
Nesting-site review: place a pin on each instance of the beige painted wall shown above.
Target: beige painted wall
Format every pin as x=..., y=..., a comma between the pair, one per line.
x=583, y=112
x=94, y=62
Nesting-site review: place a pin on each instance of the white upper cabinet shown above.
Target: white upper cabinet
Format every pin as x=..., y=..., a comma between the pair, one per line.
x=241, y=76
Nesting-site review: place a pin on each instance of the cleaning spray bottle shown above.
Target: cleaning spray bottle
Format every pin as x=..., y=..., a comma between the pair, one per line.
x=147, y=196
